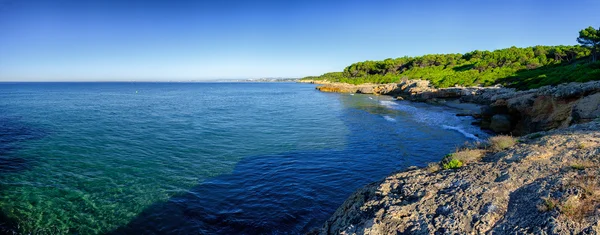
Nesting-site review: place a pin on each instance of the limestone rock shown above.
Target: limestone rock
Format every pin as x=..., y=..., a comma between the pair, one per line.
x=529, y=111
x=531, y=188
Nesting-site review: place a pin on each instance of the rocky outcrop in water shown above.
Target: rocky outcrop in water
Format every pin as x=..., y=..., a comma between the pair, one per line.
x=548, y=183
x=505, y=109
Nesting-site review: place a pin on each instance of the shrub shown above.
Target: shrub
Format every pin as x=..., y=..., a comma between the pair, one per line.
x=582, y=164
x=586, y=204
x=548, y=204
x=468, y=155
x=433, y=167
x=578, y=166
x=502, y=142
x=452, y=164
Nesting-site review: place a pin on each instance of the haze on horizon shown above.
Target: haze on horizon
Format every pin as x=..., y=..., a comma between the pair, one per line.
x=69, y=40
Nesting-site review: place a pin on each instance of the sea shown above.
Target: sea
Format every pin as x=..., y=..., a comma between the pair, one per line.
x=202, y=158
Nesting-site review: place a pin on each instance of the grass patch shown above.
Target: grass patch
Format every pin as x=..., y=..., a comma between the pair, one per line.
x=468, y=155
x=548, y=204
x=461, y=157
x=433, y=167
x=582, y=164
x=586, y=203
x=502, y=142
x=577, y=166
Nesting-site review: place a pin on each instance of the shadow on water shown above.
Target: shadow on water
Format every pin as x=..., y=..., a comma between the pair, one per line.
x=12, y=133
x=270, y=194
x=294, y=192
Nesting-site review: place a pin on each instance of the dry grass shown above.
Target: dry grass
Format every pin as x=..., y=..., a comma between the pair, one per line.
x=502, y=142
x=586, y=145
x=467, y=156
x=540, y=153
x=548, y=204
x=433, y=167
x=586, y=204
x=580, y=206
x=582, y=164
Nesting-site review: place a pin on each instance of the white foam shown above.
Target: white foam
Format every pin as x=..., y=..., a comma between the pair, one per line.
x=388, y=118
x=436, y=116
x=460, y=130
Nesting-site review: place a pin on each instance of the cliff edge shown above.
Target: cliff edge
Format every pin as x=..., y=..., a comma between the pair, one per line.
x=542, y=183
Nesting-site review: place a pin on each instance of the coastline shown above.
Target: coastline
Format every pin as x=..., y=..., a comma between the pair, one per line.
x=559, y=148
x=545, y=184
x=503, y=110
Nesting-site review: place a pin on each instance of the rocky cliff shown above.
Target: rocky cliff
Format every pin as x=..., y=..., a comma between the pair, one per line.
x=505, y=110
x=547, y=183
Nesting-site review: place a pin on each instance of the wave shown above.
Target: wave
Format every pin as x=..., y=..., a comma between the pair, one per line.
x=436, y=116
x=388, y=118
x=460, y=130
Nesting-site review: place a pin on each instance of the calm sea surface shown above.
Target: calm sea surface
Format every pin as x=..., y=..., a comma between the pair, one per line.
x=207, y=158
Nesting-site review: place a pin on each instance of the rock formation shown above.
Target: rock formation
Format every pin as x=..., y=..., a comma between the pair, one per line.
x=505, y=110
x=548, y=183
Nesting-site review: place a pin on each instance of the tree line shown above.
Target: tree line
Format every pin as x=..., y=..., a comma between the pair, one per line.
x=523, y=68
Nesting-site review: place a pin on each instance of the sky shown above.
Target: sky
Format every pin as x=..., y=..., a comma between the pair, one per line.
x=111, y=40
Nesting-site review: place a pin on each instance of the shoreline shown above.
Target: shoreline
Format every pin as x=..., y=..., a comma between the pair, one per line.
x=536, y=185
x=558, y=151
x=504, y=110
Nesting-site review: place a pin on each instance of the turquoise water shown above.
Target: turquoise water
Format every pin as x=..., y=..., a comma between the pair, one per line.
x=125, y=158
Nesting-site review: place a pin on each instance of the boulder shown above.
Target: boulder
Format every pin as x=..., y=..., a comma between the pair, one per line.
x=587, y=109
x=501, y=123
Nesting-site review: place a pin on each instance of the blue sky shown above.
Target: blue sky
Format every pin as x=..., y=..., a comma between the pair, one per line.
x=68, y=40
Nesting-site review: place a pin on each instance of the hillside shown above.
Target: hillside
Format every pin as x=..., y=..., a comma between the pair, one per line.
x=521, y=68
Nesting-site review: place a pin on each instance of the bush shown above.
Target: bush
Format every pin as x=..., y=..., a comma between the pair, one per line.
x=502, y=142
x=548, y=204
x=468, y=155
x=579, y=207
x=452, y=164
x=433, y=167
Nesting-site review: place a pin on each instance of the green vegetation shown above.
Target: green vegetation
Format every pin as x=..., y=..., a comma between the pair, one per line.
x=459, y=158
x=582, y=165
x=452, y=164
x=523, y=68
x=578, y=166
x=548, y=204
x=590, y=38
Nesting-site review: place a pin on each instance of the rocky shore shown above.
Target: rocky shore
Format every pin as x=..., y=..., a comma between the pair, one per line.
x=545, y=182
x=505, y=110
